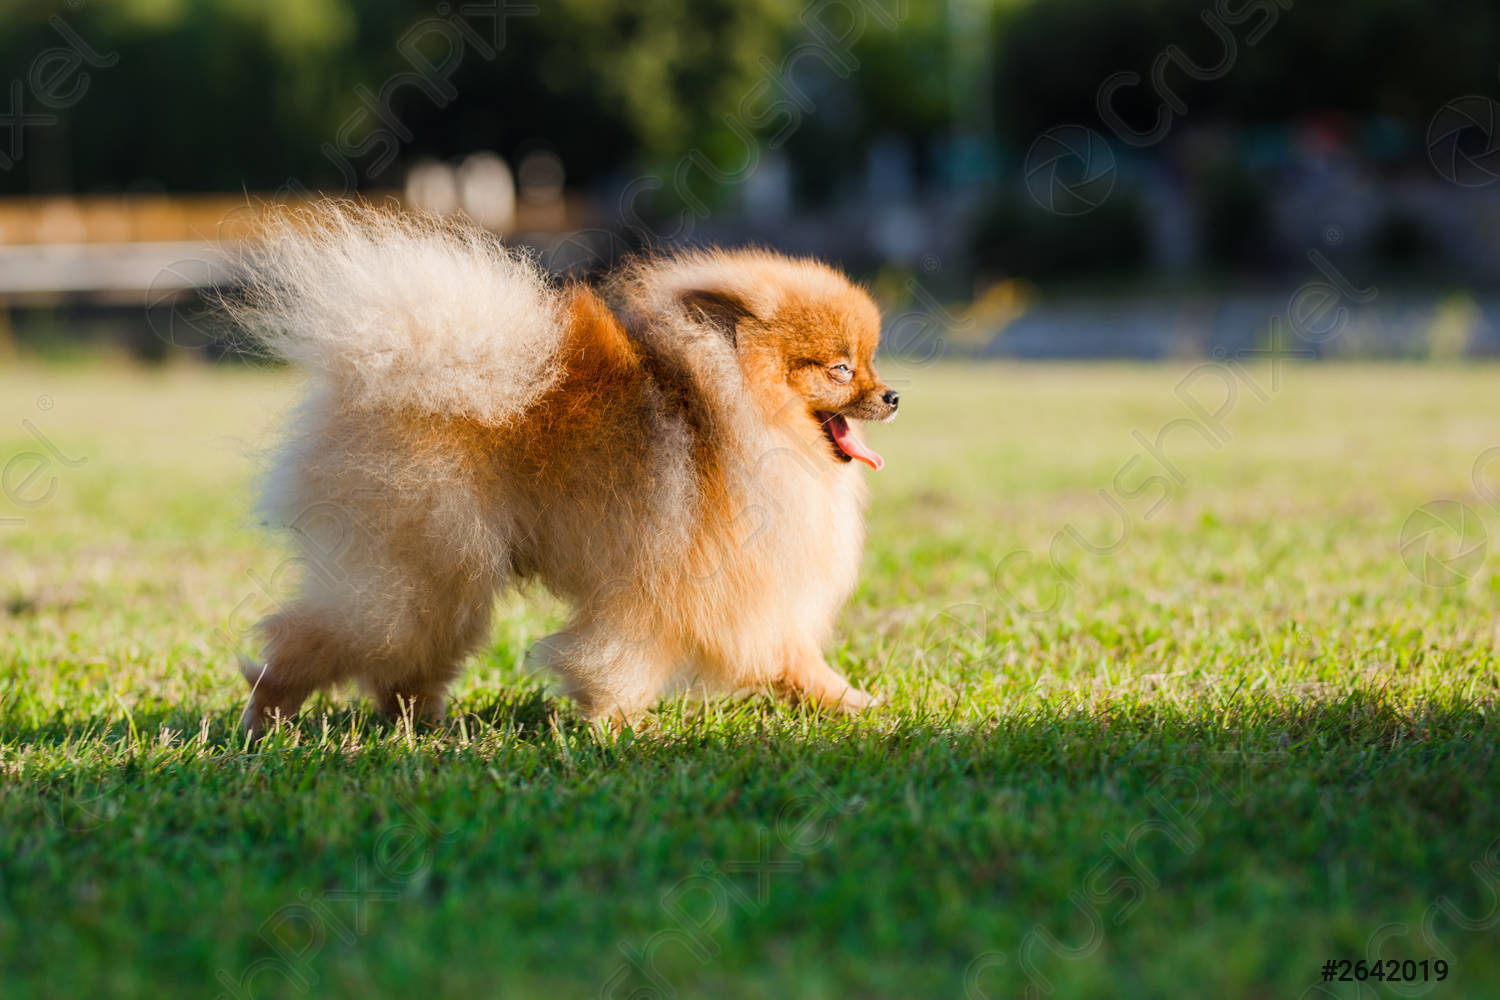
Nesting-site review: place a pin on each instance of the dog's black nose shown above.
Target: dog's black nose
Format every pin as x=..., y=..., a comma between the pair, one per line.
x=891, y=397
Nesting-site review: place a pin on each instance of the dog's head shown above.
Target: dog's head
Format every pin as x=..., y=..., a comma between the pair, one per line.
x=805, y=337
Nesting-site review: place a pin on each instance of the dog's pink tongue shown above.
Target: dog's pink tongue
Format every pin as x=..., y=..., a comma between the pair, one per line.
x=850, y=444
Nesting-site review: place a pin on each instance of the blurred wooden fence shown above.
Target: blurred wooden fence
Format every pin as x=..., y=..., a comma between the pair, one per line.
x=97, y=219
x=111, y=248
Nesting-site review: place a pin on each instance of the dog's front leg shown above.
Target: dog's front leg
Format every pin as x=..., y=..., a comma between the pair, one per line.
x=806, y=676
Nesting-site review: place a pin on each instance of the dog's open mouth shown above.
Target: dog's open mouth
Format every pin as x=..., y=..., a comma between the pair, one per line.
x=847, y=446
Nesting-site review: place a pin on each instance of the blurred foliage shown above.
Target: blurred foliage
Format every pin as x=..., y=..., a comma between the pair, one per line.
x=1233, y=215
x=1014, y=236
x=225, y=94
x=895, y=85
x=1399, y=59
x=220, y=94
x=1403, y=241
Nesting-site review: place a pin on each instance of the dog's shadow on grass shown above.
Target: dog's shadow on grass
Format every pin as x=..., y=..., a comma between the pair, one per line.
x=526, y=714
x=531, y=715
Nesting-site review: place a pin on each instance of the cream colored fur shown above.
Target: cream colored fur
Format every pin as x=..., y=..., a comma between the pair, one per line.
x=406, y=312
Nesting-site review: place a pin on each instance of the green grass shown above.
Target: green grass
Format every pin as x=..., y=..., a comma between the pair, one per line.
x=1243, y=740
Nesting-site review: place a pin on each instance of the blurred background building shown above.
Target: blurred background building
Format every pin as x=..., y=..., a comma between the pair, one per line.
x=1148, y=178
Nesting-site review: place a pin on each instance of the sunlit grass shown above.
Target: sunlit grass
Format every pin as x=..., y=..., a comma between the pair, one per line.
x=1184, y=735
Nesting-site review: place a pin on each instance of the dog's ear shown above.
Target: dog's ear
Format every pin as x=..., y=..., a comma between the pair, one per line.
x=721, y=310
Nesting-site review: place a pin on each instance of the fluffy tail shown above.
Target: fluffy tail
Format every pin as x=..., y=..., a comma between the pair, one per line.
x=402, y=312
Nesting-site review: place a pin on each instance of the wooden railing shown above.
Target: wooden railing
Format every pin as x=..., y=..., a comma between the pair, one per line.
x=114, y=248
x=153, y=218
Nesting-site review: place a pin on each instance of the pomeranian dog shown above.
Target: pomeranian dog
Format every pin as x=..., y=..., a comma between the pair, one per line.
x=673, y=454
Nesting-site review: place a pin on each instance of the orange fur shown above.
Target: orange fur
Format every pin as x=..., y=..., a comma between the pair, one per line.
x=671, y=476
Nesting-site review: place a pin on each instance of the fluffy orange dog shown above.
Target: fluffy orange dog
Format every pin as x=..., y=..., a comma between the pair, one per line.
x=674, y=457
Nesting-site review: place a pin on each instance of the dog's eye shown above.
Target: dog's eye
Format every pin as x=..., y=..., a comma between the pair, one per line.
x=840, y=373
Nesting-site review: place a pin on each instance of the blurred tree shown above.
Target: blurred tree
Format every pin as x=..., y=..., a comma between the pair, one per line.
x=1260, y=60
x=224, y=94
x=896, y=85
x=1233, y=215
x=1014, y=237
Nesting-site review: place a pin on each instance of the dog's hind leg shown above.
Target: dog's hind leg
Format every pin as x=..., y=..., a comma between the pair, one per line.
x=411, y=681
x=305, y=650
x=614, y=672
x=410, y=678
x=405, y=645
x=417, y=697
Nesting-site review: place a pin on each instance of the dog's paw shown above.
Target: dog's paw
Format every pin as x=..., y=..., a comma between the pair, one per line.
x=853, y=701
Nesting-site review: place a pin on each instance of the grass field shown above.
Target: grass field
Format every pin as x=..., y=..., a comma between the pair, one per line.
x=1224, y=733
